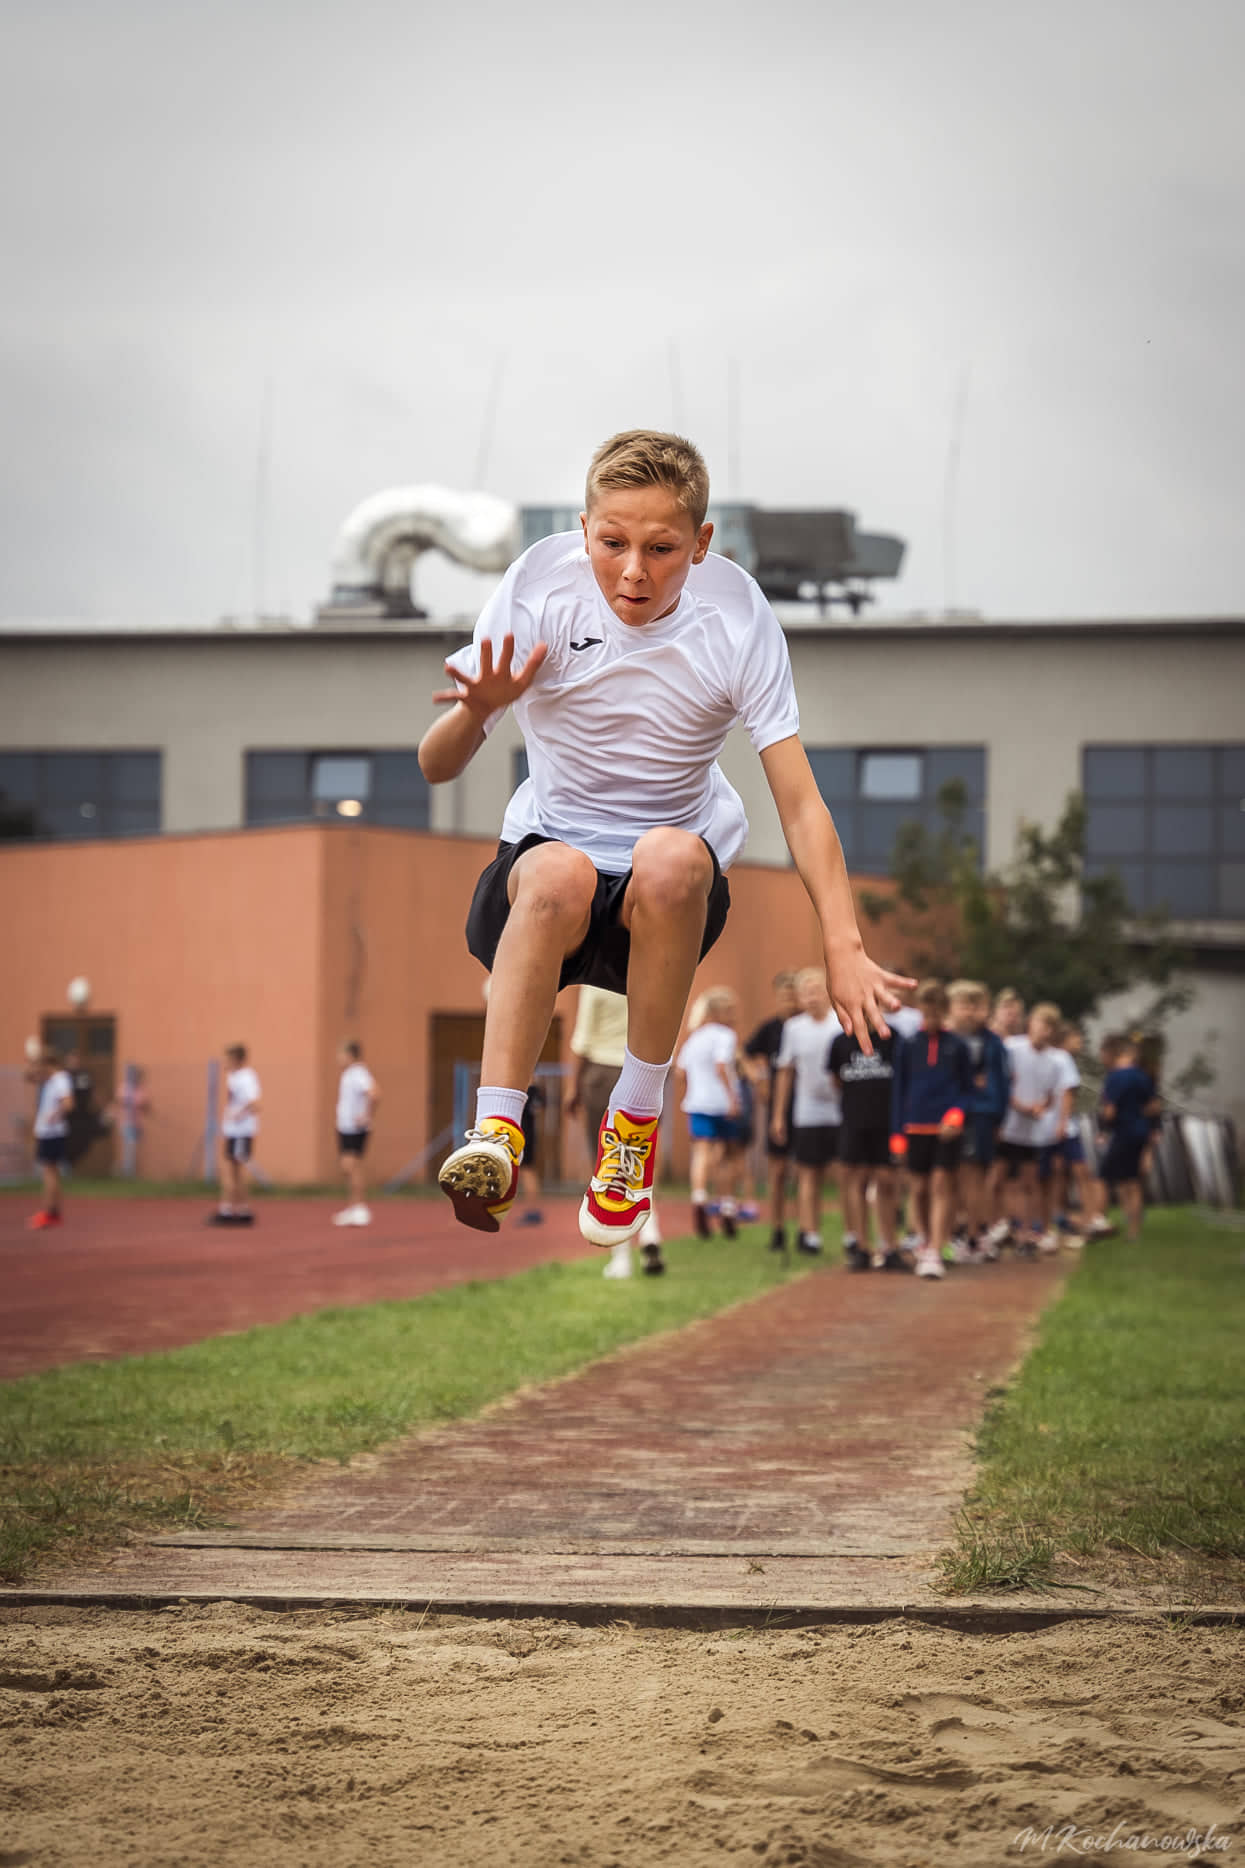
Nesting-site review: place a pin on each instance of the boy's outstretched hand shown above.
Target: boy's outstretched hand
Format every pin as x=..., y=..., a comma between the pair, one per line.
x=862, y=992
x=497, y=684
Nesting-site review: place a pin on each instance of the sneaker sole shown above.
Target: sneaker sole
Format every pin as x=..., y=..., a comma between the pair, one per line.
x=474, y=1189
x=597, y=1232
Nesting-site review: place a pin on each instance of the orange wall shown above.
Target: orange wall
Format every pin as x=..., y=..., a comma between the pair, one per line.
x=290, y=940
x=191, y=943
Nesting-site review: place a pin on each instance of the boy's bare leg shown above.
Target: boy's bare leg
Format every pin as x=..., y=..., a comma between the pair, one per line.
x=855, y=1219
x=551, y=889
x=886, y=1208
x=51, y=1187
x=1132, y=1206
x=353, y=1165
x=918, y=1185
x=939, y=1208
x=664, y=909
x=808, y=1198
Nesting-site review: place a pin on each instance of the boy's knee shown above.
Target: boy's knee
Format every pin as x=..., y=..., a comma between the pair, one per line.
x=553, y=881
x=671, y=868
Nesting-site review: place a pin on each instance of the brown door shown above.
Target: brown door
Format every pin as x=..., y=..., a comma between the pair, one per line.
x=458, y=1038
x=93, y=1035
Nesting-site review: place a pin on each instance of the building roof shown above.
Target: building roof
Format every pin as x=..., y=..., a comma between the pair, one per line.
x=795, y=618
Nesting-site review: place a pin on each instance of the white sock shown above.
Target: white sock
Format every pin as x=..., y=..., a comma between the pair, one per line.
x=495, y=1102
x=699, y=1197
x=640, y=1087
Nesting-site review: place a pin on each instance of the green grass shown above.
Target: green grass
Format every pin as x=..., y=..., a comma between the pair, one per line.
x=93, y=1451
x=1125, y=1428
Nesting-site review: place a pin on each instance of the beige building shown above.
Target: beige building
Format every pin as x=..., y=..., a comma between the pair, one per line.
x=114, y=732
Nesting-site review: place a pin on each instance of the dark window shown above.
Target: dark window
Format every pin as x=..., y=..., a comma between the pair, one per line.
x=873, y=792
x=835, y=772
x=301, y=787
x=79, y=794
x=1165, y=818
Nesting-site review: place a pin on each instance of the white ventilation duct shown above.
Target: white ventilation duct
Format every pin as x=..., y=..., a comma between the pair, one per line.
x=385, y=534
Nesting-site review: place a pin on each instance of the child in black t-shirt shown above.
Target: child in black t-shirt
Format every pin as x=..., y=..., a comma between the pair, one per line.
x=761, y=1062
x=864, y=1081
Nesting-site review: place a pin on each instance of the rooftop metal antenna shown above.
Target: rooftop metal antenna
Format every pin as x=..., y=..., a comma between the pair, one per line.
x=259, y=517
x=959, y=411
x=676, y=387
x=488, y=422
x=732, y=427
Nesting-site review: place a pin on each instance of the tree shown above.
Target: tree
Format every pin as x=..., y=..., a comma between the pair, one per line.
x=1042, y=925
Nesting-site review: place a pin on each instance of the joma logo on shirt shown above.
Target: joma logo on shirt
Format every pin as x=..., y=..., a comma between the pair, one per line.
x=589, y=642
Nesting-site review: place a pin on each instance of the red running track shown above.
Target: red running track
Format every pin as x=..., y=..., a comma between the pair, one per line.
x=122, y=1276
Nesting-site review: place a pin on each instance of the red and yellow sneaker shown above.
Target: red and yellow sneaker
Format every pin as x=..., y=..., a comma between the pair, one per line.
x=620, y=1194
x=482, y=1176
x=38, y=1221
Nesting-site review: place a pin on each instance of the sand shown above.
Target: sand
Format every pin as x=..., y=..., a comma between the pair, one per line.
x=229, y=1735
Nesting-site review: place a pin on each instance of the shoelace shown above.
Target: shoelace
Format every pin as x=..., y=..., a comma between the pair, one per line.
x=489, y=1135
x=622, y=1164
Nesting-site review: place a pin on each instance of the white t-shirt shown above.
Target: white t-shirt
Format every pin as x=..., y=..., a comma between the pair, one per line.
x=704, y=1049
x=48, y=1124
x=241, y=1088
x=1051, y=1125
x=806, y=1041
x=1036, y=1075
x=624, y=723
x=357, y=1084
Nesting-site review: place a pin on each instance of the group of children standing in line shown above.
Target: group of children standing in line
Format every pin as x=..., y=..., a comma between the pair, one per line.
x=971, y=1110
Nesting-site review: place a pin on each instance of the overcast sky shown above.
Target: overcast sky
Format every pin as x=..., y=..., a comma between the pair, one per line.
x=383, y=212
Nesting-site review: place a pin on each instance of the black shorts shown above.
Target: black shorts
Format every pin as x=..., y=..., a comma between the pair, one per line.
x=927, y=1152
x=815, y=1147
x=1121, y=1161
x=352, y=1141
x=1017, y=1155
x=601, y=959
x=51, y=1148
x=237, y=1147
x=981, y=1140
x=865, y=1147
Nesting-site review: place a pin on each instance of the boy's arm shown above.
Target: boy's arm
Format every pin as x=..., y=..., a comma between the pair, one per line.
x=451, y=742
x=780, y=1100
x=861, y=991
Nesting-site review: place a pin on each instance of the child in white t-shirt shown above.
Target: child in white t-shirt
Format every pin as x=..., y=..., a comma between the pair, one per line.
x=357, y=1096
x=628, y=655
x=239, y=1125
x=56, y=1097
x=1038, y=1081
x=711, y=1102
x=807, y=1107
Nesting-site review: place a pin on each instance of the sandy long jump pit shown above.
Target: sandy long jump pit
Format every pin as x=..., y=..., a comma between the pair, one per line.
x=226, y=1734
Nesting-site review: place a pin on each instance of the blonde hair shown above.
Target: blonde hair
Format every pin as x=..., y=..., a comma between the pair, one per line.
x=967, y=989
x=710, y=1007
x=1008, y=996
x=1049, y=1011
x=931, y=992
x=642, y=457
x=810, y=976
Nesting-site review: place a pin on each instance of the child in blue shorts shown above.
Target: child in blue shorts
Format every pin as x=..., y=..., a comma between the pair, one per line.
x=711, y=1103
x=1127, y=1110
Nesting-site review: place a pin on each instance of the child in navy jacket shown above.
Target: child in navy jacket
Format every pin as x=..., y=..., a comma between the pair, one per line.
x=930, y=1091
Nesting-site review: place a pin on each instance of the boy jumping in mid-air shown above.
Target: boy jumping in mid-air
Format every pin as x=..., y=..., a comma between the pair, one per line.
x=628, y=655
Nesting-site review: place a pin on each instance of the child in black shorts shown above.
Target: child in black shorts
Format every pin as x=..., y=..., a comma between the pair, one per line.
x=865, y=1082
x=932, y=1085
